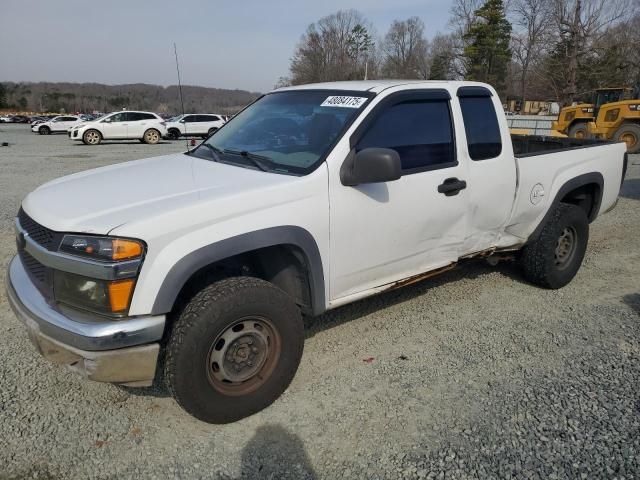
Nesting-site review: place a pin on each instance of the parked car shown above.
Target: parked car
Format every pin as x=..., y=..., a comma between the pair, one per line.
x=147, y=127
x=59, y=124
x=20, y=119
x=313, y=197
x=201, y=125
x=37, y=120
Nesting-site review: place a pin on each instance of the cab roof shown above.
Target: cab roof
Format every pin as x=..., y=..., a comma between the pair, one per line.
x=376, y=86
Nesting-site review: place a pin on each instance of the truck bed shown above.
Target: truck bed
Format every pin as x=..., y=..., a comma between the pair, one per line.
x=529, y=145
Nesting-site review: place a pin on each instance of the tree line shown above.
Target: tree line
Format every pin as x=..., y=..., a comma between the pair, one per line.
x=89, y=97
x=528, y=49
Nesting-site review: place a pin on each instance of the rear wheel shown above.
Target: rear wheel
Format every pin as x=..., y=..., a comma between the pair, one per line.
x=151, y=136
x=44, y=130
x=234, y=349
x=629, y=133
x=91, y=137
x=211, y=131
x=555, y=257
x=578, y=130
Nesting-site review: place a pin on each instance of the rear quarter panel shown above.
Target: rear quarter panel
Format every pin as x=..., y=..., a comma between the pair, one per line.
x=549, y=172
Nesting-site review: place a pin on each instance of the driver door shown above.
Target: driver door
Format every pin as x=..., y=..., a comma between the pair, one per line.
x=115, y=126
x=385, y=232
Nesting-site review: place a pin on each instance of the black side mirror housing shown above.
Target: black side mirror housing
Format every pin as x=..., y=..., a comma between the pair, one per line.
x=371, y=165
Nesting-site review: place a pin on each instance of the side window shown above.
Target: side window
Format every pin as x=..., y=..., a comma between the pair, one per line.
x=189, y=119
x=211, y=118
x=481, y=127
x=148, y=116
x=118, y=117
x=69, y=119
x=135, y=116
x=419, y=130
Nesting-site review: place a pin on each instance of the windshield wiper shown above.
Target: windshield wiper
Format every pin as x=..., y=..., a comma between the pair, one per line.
x=215, y=151
x=263, y=163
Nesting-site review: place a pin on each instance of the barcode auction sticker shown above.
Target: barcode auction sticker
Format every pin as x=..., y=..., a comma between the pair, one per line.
x=345, y=102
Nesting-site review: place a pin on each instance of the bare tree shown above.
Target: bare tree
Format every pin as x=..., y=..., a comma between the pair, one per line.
x=334, y=48
x=580, y=23
x=528, y=43
x=405, y=50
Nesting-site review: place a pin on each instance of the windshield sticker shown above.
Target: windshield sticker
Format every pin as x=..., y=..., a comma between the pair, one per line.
x=344, y=102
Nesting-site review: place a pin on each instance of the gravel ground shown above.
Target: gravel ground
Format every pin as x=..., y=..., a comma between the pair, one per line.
x=475, y=374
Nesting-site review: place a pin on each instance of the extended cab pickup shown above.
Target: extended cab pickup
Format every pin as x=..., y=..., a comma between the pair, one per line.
x=312, y=197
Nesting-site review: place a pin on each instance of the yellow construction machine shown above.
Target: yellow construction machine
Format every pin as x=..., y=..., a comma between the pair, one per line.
x=614, y=115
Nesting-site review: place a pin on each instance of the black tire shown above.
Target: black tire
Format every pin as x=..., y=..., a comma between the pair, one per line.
x=548, y=261
x=174, y=134
x=578, y=130
x=211, y=131
x=630, y=134
x=197, y=346
x=91, y=137
x=44, y=130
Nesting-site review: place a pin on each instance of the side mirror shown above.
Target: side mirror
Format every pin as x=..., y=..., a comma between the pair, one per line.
x=371, y=165
x=182, y=121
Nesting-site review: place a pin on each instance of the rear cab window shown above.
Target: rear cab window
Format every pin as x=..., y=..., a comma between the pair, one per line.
x=484, y=140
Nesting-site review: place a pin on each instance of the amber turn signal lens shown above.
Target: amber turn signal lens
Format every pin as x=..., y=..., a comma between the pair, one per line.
x=123, y=249
x=120, y=294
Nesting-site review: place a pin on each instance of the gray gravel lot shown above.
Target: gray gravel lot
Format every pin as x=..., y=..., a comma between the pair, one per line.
x=475, y=374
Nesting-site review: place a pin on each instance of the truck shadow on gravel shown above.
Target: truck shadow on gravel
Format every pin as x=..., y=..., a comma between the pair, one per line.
x=631, y=189
x=471, y=269
x=632, y=300
x=274, y=452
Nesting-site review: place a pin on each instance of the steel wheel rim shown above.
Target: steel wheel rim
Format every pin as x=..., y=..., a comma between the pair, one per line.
x=629, y=138
x=152, y=136
x=243, y=356
x=565, y=247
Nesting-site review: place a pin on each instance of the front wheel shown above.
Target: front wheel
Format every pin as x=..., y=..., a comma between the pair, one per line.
x=554, y=258
x=579, y=131
x=234, y=349
x=174, y=134
x=91, y=137
x=44, y=130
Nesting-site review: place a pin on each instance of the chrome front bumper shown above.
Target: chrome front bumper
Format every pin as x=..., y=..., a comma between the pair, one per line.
x=118, y=351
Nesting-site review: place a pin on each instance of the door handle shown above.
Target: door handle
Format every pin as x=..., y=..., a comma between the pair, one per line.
x=452, y=186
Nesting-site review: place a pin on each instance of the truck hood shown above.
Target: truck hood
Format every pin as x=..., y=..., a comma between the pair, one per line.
x=99, y=200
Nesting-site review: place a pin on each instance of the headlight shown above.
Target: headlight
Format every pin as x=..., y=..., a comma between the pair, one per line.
x=99, y=296
x=107, y=297
x=105, y=249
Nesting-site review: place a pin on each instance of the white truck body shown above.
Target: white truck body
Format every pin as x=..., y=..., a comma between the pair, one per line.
x=358, y=240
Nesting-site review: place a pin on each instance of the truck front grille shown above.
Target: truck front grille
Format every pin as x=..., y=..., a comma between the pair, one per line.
x=41, y=276
x=41, y=235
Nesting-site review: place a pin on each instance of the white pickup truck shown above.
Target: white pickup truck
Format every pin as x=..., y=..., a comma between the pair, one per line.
x=196, y=268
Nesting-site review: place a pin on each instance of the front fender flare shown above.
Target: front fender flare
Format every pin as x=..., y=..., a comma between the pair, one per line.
x=182, y=271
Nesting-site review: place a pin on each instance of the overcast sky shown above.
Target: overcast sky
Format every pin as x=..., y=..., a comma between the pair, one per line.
x=228, y=44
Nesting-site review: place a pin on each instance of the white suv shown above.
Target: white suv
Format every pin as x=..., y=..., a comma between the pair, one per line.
x=192, y=124
x=59, y=124
x=147, y=127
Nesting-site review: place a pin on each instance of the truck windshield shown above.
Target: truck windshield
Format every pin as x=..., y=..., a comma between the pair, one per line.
x=286, y=132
